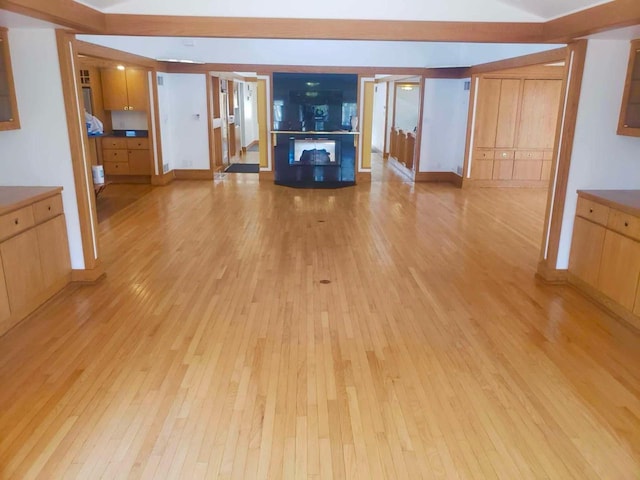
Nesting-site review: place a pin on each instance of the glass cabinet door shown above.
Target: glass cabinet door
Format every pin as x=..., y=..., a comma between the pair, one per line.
x=8, y=106
x=630, y=112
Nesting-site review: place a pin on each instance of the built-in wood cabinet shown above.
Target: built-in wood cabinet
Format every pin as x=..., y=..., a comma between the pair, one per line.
x=605, y=250
x=515, y=123
x=125, y=89
x=8, y=105
x=630, y=112
x=34, y=250
x=126, y=156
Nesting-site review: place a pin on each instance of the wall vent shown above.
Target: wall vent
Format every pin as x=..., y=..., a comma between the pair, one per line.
x=160, y=80
x=467, y=85
x=165, y=167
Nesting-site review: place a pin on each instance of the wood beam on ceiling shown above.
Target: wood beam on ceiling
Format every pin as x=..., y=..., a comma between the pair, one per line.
x=609, y=16
x=541, y=58
x=323, y=29
x=65, y=13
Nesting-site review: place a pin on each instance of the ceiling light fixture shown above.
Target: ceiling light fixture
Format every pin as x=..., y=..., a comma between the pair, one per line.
x=177, y=60
x=120, y=67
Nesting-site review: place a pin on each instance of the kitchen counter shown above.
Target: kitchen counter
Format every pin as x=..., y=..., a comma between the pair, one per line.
x=627, y=201
x=13, y=198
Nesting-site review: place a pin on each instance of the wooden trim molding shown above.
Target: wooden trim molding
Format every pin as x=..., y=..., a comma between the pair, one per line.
x=563, y=149
x=603, y=301
x=164, y=179
x=608, y=16
x=324, y=29
x=193, y=174
x=552, y=276
x=418, y=143
x=549, y=56
x=633, y=58
x=439, y=177
x=453, y=73
x=79, y=143
x=64, y=13
x=13, y=123
x=268, y=69
x=88, y=276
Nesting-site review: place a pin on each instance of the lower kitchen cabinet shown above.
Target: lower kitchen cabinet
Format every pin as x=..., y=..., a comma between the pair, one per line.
x=34, y=250
x=605, y=250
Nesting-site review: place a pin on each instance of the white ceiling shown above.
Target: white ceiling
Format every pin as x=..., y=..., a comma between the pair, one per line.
x=452, y=10
x=326, y=52
x=549, y=9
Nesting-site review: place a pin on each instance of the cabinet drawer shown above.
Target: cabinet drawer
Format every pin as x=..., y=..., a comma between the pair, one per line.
x=483, y=154
x=116, y=168
x=47, y=208
x=592, y=211
x=624, y=223
x=529, y=155
x=114, y=143
x=138, y=143
x=15, y=222
x=115, y=156
x=504, y=154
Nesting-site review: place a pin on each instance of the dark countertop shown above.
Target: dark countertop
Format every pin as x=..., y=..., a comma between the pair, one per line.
x=13, y=198
x=123, y=134
x=627, y=201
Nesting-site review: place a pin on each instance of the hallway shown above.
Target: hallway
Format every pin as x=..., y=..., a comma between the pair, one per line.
x=387, y=330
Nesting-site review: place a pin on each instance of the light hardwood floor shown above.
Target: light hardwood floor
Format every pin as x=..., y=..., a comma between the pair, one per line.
x=213, y=350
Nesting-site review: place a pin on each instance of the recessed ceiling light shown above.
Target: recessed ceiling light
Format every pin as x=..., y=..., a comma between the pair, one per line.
x=177, y=60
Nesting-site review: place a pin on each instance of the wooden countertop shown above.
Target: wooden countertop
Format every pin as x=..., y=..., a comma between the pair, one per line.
x=13, y=198
x=627, y=201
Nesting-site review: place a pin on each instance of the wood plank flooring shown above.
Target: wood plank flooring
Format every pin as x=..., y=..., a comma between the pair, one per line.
x=212, y=349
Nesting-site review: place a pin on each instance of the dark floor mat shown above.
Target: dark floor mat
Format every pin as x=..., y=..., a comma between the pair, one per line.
x=243, y=168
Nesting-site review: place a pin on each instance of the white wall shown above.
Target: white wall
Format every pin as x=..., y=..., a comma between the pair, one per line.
x=379, y=116
x=250, y=100
x=601, y=159
x=444, y=125
x=183, y=118
x=164, y=112
x=39, y=153
x=407, y=108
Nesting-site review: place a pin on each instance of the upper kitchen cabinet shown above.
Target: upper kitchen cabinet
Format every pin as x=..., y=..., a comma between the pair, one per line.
x=8, y=105
x=125, y=89
x=630, y=112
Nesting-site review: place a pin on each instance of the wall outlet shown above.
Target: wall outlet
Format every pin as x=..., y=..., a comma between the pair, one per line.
x=459, y=171
x=165, y=167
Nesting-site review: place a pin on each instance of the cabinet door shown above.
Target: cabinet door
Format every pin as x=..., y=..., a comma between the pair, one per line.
x=482, y=169
x=527, y=170
x=487, y=113
x=507, y=113
x=137, y=90
x=539, y=113
x=139, y=162
x=619, y=269
x=23, y=273
x=5, y=311
x=114, y=89
x=54, y=251
x=586, y=250
x=502, y=169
